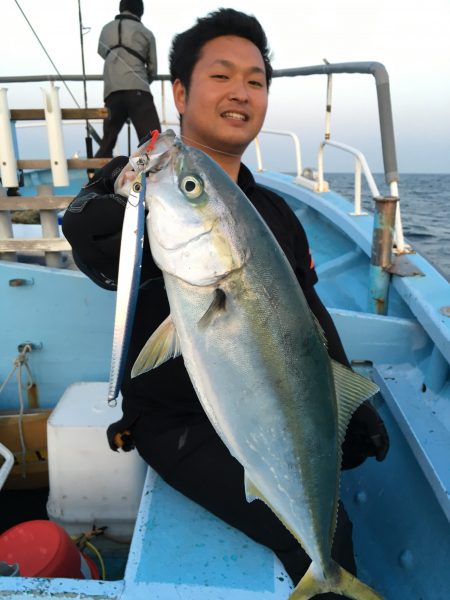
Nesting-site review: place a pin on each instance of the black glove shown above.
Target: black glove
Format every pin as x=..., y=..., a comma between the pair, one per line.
x=105, y=177
x=118, y=437
x=366, y=436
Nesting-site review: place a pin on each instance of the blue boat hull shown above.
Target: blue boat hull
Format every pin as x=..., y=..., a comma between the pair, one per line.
x=400, y=508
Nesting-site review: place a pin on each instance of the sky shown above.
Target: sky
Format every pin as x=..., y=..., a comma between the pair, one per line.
x=410, y=37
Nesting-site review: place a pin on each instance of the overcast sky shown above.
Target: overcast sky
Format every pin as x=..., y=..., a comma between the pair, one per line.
x=410, y=37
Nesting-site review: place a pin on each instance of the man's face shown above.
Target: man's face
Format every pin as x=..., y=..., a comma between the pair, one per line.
x=227, y=100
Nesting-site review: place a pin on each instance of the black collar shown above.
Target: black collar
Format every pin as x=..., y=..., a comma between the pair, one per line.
x=245, y=180
x=127, y=16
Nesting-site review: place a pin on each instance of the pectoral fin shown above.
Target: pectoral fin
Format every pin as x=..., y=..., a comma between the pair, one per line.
x=217, y=306
x=352, y=390
x=162, y=345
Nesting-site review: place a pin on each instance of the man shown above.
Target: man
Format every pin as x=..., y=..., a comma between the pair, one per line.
x=129, y=51
x=221, y=72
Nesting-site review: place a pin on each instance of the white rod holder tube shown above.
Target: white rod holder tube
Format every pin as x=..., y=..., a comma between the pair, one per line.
x=8, y=162
x=55, y=137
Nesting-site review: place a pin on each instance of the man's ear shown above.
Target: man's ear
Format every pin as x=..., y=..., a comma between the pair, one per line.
x=179, y=95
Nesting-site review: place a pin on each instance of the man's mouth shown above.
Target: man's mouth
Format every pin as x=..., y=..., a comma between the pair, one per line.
x=234, y=115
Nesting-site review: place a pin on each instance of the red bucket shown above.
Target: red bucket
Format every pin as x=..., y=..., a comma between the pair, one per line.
x=45, y=549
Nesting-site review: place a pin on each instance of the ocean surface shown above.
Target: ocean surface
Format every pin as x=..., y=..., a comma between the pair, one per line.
x=424, y=209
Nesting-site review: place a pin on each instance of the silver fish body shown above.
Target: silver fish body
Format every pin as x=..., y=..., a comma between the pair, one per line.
x=254, y=353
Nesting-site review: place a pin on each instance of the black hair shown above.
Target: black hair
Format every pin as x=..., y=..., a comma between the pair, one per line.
x=187, y=46
x=133, y=6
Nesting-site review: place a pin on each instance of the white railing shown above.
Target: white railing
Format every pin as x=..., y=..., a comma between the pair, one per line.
x=7, y=465
x=320, y=185
x=361, y=164
x=297, y=149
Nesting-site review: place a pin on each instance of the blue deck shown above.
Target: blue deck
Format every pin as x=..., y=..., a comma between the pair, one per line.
x=178, y=550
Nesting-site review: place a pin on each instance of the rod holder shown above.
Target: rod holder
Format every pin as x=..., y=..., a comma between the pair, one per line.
x=8, y=162
x=382, y=257
x=53, y=119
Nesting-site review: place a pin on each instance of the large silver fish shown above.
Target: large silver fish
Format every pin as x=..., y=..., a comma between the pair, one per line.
x=254, y=352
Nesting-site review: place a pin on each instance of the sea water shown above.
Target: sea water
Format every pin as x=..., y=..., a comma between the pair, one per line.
x=424, y=208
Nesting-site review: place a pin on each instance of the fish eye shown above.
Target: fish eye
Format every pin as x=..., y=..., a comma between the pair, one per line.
x=192, y=186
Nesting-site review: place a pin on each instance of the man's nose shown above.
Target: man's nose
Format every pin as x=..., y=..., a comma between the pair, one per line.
x=238, y=91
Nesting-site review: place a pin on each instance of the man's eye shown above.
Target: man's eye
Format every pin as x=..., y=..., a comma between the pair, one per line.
x=219, y=76
x=256, y=84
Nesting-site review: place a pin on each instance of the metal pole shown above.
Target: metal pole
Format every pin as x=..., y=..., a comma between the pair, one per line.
x=88, y=138
x=381, y=259
x=328, y=107
x=128, y=122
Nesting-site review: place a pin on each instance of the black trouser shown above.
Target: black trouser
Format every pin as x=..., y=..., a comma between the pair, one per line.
x=133, y=104
x=190, y=456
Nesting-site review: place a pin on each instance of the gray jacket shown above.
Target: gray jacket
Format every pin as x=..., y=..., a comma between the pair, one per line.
x=123, y=70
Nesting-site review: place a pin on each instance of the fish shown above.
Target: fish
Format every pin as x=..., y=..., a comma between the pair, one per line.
x=254, y=351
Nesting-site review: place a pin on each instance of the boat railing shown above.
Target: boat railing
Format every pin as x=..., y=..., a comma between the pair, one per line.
x=51, y=243
x=387, y=138
x=45, y=202
x=297, y=148
x=53, y=117
x=7, y=465
x=361, y=165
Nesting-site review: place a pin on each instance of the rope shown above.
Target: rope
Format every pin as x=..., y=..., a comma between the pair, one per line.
x=82, y=541
x=95, y=551
x=19, y=363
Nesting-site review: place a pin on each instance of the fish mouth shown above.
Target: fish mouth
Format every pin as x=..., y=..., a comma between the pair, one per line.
x=154, y=160
x=182, y=244
x=194, y=233
x=234, y=115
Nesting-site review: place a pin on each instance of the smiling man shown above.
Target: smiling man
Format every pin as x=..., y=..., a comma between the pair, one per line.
x=221, y=73
x=224, y=104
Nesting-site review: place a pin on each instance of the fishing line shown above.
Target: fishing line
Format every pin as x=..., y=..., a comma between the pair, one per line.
x=94, y=133
x=115, y=53
x=189, y=139
x=47, y=54
x=88, y=139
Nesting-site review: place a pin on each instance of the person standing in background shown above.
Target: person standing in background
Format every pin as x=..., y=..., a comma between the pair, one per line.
x=129, y=51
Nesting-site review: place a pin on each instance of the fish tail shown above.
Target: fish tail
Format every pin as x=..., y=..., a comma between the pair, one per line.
x=342, y=582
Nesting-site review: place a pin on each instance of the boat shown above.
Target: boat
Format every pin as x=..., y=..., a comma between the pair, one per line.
x=391, y=307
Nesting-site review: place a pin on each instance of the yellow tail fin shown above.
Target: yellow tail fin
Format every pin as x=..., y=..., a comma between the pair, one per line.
x=341, y=583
